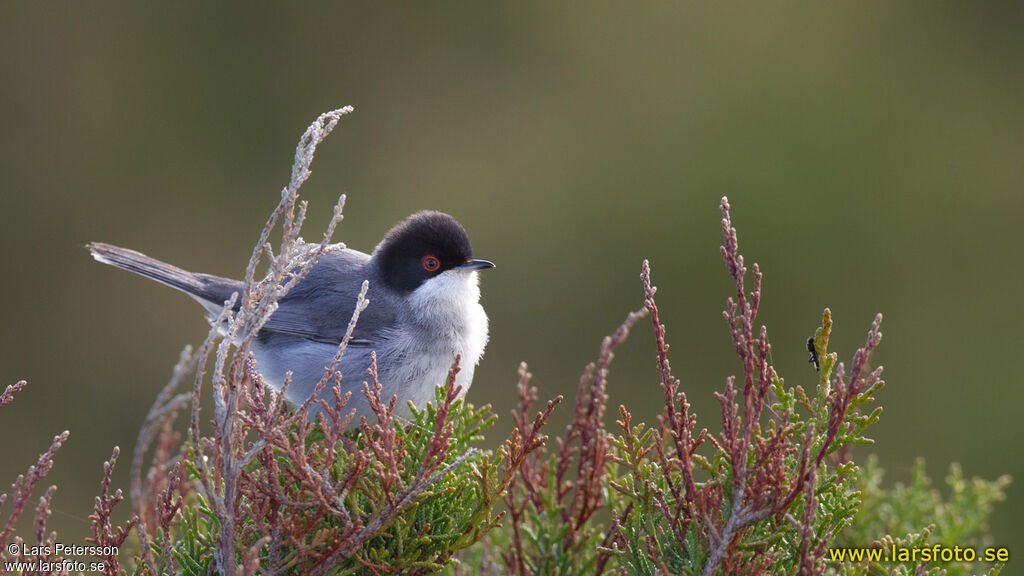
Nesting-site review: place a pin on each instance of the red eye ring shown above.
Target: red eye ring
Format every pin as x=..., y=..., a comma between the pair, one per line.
x=431, y=263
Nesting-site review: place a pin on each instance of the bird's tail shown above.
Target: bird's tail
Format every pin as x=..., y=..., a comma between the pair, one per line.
x=208, y=290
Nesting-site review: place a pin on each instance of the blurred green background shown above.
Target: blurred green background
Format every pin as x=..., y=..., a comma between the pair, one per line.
x=873, y=154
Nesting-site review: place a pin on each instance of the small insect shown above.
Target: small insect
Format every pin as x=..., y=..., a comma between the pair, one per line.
x=814, y=354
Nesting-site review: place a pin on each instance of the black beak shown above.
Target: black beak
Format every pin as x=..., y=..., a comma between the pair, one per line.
x=475, y=265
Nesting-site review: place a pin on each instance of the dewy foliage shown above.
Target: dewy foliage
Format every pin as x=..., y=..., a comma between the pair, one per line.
x=258, y=487
x=775, y=491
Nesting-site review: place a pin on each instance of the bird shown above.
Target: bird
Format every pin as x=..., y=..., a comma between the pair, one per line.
x=424, y=310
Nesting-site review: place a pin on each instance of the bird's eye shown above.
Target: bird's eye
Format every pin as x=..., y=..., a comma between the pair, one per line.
x=431, y=263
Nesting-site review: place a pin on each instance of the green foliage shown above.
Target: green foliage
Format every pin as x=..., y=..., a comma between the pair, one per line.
x=658, y=539
x=196, y=539
x=451, y=513
x=547, y=540
x=852, y=510
x=774, y=492
x=916, y=516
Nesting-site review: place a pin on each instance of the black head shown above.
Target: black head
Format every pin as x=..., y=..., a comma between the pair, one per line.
x=423, y=246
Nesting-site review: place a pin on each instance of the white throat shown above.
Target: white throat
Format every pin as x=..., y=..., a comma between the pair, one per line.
x=447, y=310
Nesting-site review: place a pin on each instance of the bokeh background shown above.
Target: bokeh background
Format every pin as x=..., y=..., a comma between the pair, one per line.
x=873, y=154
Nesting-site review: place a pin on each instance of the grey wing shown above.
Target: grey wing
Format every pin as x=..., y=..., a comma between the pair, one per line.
x=320, y=307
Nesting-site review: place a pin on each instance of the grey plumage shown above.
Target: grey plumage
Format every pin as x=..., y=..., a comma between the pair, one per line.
x=418, y=319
